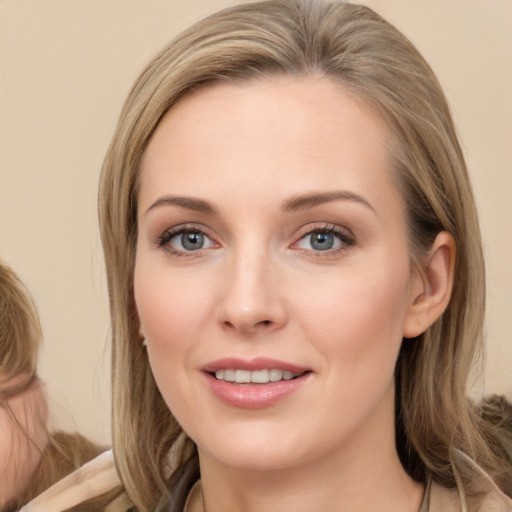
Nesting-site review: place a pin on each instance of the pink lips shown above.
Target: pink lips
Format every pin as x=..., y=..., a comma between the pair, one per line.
x=259, y=363
x=253, y=396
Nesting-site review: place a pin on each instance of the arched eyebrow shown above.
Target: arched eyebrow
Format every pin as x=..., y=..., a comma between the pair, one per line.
x=306, y=201
x=293, y=204
x=189, y=203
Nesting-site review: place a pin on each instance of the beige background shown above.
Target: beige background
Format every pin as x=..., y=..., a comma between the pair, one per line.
x=66, y=66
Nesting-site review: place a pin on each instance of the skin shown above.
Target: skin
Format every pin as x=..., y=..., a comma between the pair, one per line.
x=23, y=439
x=259, y=288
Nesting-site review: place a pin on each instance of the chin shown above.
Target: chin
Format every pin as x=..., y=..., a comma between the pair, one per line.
x=259, y=448
x=256, y=459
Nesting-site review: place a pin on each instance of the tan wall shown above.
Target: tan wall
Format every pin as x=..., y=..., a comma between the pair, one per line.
x=66, y=66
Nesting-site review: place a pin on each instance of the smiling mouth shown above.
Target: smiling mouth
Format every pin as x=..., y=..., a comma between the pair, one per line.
x=255, y=377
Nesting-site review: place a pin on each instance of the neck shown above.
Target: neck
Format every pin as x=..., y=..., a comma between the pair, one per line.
x=362, y=475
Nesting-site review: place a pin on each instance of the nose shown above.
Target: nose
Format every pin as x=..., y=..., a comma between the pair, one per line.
x=251, y=300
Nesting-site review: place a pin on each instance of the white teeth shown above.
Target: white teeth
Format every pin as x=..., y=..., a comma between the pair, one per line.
x=229, y=375
x=242, y=376
x=260, y=376
x=275, y=375
x=256, y=377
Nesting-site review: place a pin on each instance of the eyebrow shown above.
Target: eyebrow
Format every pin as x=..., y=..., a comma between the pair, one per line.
x=189, y=203
x=306, y=201
x=294, y=204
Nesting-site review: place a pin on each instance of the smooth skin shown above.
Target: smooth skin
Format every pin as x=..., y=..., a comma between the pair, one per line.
x=23, y=437
x=270, y=226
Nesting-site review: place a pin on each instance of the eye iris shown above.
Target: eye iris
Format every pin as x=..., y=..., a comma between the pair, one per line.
x=192, y=241
x=322, y=241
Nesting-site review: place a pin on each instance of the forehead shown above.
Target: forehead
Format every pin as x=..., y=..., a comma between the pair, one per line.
x=284, y=104
x=301, y=133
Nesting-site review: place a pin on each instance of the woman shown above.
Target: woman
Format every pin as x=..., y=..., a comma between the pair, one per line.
x=23, y=408
x=295, y=274
x=31, y=458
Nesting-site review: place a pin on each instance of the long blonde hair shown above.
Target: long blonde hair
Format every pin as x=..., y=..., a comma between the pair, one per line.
x=356, y=48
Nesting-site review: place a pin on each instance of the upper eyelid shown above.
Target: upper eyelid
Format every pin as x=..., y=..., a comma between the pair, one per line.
x=188, y=226
x=324, y=226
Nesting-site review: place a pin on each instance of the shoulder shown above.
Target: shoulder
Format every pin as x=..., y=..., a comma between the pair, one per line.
x=448, y=500
x=96, y=478
x=489, y=498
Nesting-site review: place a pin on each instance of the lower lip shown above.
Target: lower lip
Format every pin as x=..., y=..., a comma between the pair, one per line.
x=254, y=396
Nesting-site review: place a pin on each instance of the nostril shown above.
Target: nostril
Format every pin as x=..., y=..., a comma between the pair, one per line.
x=247, y=327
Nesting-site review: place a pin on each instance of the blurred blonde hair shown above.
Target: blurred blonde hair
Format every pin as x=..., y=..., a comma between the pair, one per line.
x=20, y=332
x=20, y=339
x=355, y=47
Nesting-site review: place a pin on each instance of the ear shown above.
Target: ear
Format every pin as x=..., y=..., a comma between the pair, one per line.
x=431, y=286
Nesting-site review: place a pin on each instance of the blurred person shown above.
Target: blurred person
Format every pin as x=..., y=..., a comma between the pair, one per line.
x=31, y=458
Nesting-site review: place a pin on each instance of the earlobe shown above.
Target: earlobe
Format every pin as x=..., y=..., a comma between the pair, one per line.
x=432, y=286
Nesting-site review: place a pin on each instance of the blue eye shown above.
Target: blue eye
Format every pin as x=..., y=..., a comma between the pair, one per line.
x=191, y=241
x=185, y=240
x=324, y=240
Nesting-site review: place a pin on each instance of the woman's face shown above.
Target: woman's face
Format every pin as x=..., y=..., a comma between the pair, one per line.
x=272, y=248
x=23, y=437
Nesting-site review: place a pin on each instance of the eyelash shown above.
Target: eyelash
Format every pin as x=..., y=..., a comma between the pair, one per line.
x=344, y=236
x=163, y=241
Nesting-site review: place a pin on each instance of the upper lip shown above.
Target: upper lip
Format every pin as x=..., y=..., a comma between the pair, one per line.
x=258, y=363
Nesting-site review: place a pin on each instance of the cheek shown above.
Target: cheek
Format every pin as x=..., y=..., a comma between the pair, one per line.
x=173, y=308
x=357, y=325
x=357, y=317
x=169, y=304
